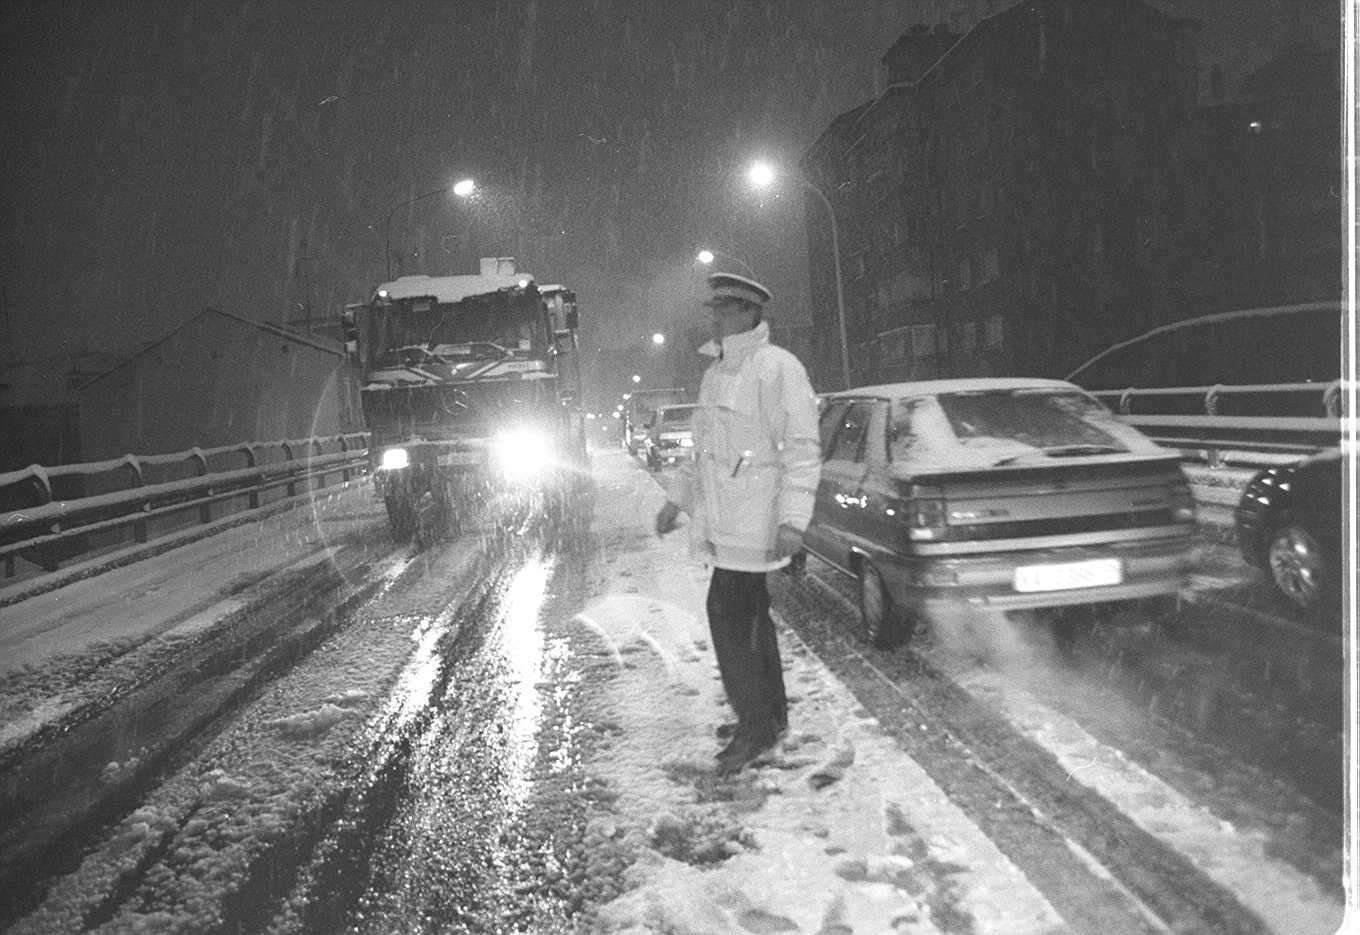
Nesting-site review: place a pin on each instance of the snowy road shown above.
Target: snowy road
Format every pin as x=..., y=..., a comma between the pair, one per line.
x=507, y=734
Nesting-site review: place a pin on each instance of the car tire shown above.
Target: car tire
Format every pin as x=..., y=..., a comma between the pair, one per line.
x=1298, y=566
x=880, y=621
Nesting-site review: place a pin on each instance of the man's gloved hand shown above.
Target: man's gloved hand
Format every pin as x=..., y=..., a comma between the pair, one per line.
x=667, y=518
x=788, y=542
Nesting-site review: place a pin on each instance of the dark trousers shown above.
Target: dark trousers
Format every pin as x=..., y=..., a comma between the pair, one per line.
x=748, y=652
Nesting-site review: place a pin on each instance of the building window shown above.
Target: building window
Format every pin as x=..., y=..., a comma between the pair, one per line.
x=923, y=340
x=965, y=274
x=967, y=335
x=984, y=199
x=991, y=265
x=894, y=344
x=993, y=334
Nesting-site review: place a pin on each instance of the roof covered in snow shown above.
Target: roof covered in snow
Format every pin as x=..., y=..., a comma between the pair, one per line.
x=966, y=385
x=449, y=289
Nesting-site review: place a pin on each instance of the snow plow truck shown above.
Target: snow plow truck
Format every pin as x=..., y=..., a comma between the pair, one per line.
x=471, y=391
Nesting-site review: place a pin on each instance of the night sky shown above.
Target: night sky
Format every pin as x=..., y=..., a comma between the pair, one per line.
x=163, y=157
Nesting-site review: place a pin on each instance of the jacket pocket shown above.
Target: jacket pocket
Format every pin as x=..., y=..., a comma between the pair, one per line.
x=744, y=507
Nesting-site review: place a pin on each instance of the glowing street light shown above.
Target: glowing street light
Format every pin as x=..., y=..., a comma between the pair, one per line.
x=463, y=189
x=763, y=175
x=658, y=338
x=636, y=378
x=707, y=257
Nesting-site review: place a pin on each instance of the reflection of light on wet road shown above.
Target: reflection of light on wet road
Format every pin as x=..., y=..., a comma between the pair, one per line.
x=523, y=643
x=414, y=687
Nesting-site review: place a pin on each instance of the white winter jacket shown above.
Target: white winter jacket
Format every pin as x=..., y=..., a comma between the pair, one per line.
x=757, y=458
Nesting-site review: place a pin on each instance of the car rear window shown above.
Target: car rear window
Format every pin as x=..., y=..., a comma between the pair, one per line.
x=991, y=427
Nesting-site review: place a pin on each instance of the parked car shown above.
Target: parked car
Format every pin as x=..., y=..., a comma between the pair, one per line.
x=1008, y=494
x=1289, y=524
x=640, y=407
x=670, y=436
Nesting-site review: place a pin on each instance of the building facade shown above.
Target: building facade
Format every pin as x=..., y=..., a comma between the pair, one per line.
x=1021, y=196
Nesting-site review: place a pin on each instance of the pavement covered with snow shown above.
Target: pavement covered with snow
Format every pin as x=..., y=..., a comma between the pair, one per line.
x=837, y=831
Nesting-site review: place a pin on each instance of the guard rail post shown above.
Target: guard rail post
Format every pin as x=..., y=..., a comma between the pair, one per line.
x=344, y=447
x=44, y=489
x=205, y=507
x=288, y=456
x=139, y=530
x=253, y=498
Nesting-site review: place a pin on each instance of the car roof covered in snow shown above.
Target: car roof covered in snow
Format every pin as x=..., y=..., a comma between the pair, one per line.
x=962, y=385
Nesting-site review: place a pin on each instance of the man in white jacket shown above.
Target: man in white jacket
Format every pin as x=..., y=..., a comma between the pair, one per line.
x=748, y=492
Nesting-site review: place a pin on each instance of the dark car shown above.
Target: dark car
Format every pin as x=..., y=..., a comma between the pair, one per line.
x=1008, y=494
x=1289, y=524
x=670, y=436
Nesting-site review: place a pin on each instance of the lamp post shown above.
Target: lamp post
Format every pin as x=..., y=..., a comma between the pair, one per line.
x=462, y=189
x=763, y=175
x=706, y=256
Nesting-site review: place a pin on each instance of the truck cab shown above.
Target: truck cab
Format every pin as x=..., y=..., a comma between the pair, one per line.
x=470, y=388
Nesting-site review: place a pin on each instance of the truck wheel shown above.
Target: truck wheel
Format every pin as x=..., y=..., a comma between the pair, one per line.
x=401, y=518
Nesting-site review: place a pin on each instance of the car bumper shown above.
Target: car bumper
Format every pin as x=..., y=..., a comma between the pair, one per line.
x=670, y=453
x=1146, y=569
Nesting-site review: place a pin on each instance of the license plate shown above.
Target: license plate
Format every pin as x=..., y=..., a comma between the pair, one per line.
x=459, y=457
x=1094, y=573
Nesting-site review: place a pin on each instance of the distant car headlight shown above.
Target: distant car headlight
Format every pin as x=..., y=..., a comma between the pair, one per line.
x=394, y=459
x=686, y=443
x=522, y=453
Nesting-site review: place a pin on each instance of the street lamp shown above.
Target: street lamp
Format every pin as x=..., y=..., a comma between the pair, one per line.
x=707, y=257
x=462, y=189
x=762, y=175
x=658, y=338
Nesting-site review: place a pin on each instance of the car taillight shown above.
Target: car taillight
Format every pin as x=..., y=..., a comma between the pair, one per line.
x=1182, y=503
x=925, y=512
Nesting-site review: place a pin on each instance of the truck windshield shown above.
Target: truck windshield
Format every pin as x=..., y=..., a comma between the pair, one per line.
x=453, y=330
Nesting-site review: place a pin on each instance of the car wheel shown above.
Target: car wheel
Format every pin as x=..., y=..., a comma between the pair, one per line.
x=879, y=623
x=1298, y=566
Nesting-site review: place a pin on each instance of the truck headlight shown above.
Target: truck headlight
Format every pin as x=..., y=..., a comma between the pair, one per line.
x=394, y=459
x=522, y=453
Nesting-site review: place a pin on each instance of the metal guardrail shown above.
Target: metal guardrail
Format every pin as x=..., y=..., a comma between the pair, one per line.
x=1262, y=424
x=52, y=514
